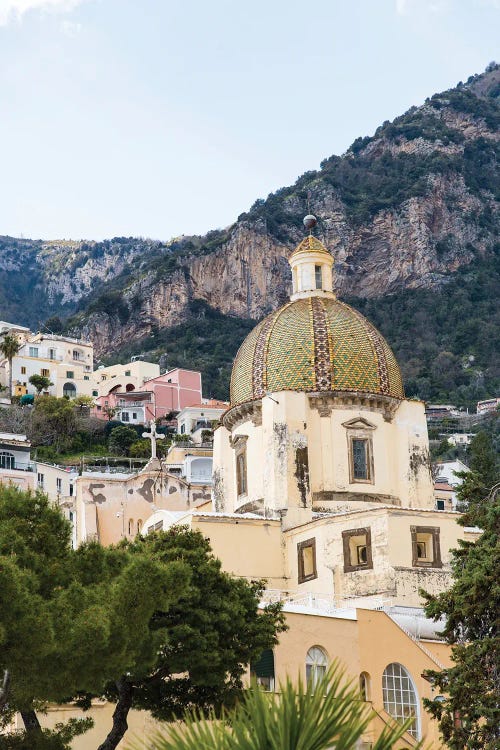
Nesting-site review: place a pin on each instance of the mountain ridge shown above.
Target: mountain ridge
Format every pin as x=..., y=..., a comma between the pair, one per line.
x=402, y=210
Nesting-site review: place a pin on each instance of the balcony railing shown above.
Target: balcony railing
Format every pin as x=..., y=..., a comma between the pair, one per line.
x=17, y=466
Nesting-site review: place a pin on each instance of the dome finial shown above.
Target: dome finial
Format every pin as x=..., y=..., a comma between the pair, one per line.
x=310, y=222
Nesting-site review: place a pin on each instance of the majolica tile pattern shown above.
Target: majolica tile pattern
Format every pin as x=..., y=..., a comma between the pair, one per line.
x=310, y=244
x=314, y=344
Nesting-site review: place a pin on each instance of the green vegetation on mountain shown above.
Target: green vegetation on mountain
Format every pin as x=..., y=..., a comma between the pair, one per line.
x=445, y=339
x=208, y=342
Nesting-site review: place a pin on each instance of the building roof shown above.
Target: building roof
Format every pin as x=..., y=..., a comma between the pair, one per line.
x=443, y=486
x=314, y=344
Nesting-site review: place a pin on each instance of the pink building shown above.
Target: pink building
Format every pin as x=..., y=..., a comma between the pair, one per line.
x=159, y=396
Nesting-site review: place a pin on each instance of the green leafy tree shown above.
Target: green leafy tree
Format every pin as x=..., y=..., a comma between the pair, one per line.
x=140, y=448
x=483, y=458
x=70, y=619
x=40, y=382
x=9, y=347
x=209, y=637
x=120, y=440
x=53, y=422
x=299, y=718
x=468, y=708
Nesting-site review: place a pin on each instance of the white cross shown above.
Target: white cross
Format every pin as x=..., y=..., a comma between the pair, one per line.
x=153, y=436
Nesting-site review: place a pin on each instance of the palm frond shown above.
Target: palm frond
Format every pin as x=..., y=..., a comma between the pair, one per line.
x=330, y=715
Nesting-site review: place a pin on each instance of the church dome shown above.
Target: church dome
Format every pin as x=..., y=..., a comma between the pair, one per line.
x=313, y=344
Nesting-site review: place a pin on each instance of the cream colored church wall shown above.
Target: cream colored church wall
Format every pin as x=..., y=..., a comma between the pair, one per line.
x=248, y=548
x=290, y=421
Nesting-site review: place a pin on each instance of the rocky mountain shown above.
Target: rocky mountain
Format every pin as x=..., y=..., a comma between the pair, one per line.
x=403, y=209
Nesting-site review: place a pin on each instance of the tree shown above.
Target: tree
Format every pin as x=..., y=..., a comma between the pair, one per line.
x=120, y=440
x=210, y=635
x=484, y=458
x=40, y=382
x=9, y=347
x=110, y=412
x=53, y=422
x=69, y=619
x=468, y=710
x=330, y=716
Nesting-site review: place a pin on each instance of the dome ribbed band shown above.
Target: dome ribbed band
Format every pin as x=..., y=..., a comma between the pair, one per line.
x=259, y=359
x=322, y=351
x=376, y=342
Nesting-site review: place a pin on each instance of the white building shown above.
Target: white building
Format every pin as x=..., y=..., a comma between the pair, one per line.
x=446, y=471
x=67, y=362
x=459, y=438
x=16, y=466
x=193, y=420
x=490, y=404
x=128, y=377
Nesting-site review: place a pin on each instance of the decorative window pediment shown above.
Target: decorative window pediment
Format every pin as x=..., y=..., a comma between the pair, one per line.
x=359, y=423
x=238, y=441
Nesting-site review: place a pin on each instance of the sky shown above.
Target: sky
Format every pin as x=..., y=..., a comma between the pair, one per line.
x=157, y=118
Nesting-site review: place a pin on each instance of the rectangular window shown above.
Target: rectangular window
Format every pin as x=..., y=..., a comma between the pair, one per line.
x=59, y=484
x=127, y=373
x=306, y=555
x=360, y=457
x=70, y=374
x=45, y=372
x=52, y=353
x=439, y=504
x=33, y=351
x=95, y=393
x=134, y=415
x=76, y=354
x=125, y=416
x=86, y=377
x=23, y=370
x=426, y=550
x=318, y=277
x=357, y=544
x=40, y=479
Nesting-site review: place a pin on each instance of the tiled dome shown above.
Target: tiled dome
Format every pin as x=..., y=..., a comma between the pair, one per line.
x=314, y=344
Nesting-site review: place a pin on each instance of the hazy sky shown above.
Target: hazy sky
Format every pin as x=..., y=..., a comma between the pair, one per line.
x=159, y=117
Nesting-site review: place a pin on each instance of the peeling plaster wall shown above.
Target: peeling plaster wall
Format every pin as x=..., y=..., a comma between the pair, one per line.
x=107, y=507
x=392, y=575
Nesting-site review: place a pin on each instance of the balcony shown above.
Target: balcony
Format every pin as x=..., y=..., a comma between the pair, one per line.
x=17, y=465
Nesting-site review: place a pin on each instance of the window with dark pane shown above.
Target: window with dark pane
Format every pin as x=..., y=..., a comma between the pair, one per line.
x=360, y=458
x=318, y=277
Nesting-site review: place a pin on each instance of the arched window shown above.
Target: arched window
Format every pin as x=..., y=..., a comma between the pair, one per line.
x=241, y=473
x=7, y=460
x=316, y=665
x=130, y=526
x=365, y=686
x=400, y=697
x=69, y=390
x=139, y=525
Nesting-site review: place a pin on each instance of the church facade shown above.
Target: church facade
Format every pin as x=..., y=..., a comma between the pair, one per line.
x=322, y=486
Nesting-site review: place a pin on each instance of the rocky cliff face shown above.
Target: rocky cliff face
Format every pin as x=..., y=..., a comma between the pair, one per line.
x=401, y=210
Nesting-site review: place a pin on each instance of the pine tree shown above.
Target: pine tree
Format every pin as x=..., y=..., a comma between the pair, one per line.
x=468, y=709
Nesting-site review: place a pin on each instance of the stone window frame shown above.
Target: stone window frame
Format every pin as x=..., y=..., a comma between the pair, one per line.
x=360, y=429
x=302, y=578
x=239, y=443
x=434, y=533
x=346, y=536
